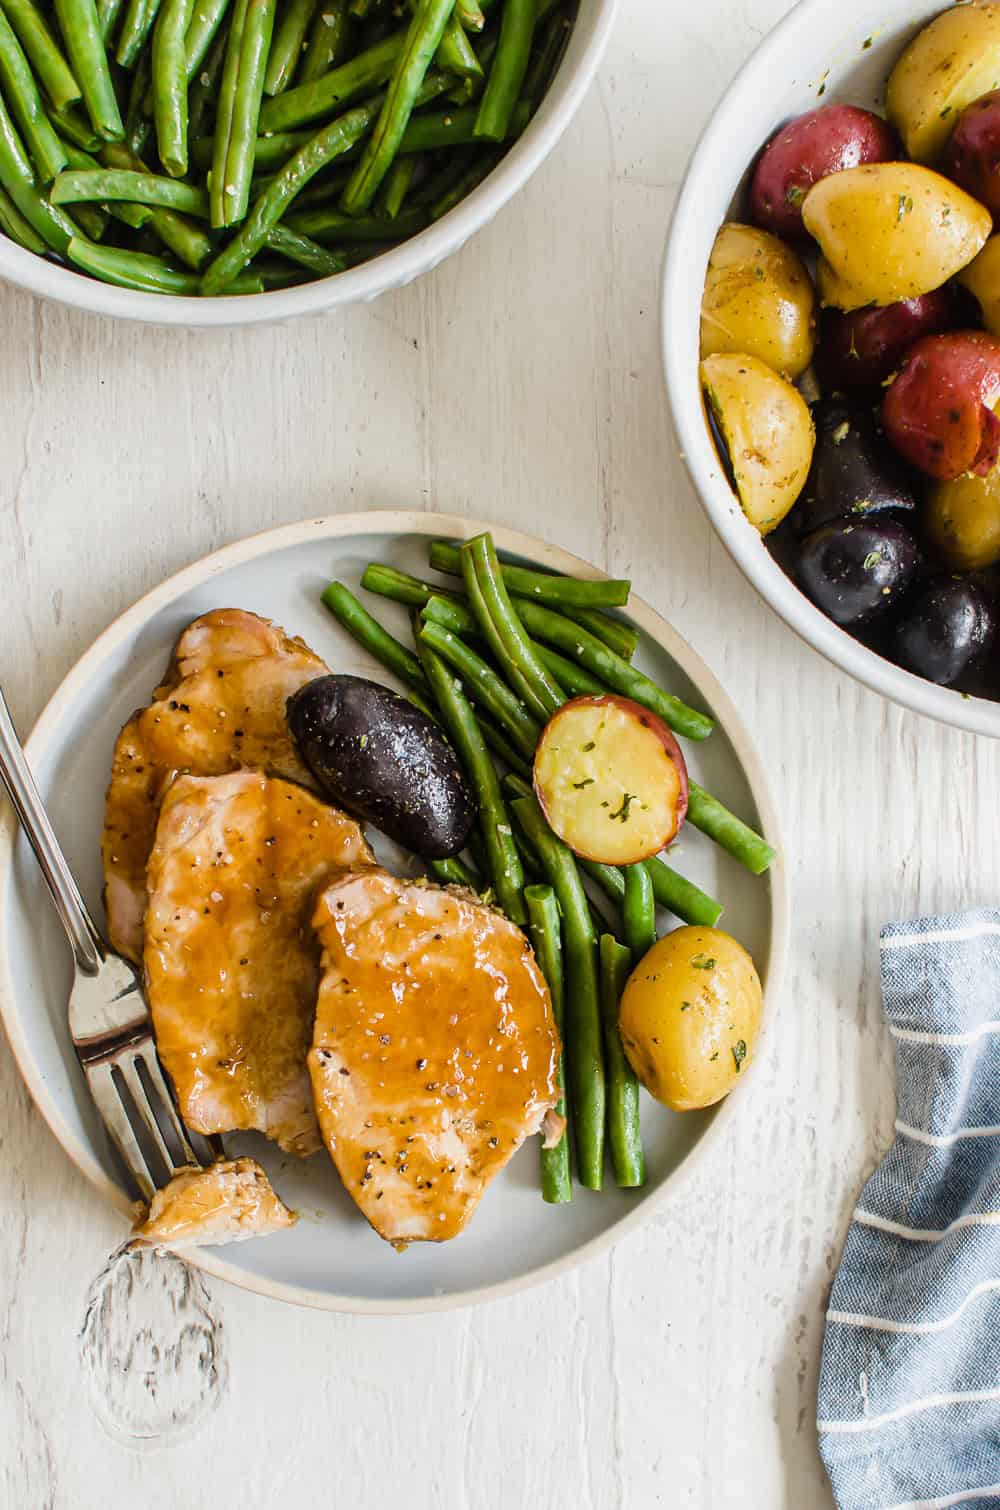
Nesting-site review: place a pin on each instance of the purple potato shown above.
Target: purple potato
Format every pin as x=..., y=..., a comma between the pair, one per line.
x=944, y=629
x=854, y=469
x=855, y=570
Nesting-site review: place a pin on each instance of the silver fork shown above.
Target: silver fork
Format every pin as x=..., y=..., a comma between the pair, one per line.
x=109, y=1021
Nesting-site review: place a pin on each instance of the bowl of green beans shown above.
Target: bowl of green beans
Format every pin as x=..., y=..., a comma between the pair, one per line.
x=160, y=158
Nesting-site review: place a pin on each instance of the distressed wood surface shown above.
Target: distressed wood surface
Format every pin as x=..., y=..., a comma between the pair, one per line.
x=521, y=382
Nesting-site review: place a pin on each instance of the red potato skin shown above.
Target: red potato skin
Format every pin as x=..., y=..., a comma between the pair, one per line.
x=972, y=156
x=814, y=145
x=863, y=347
x=649, y=721
x=938, y=410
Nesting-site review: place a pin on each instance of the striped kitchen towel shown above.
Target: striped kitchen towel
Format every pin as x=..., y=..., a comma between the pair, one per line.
x=909, y=1390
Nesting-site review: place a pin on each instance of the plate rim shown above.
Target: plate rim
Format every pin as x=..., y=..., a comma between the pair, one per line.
x=556, y=558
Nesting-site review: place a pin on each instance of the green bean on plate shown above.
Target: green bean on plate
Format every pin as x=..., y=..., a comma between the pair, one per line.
x=573, y=758
x=400, y=113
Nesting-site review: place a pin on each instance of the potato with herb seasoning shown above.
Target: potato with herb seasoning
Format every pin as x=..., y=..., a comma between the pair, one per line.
x=768, y=434
x=758, y=299
x=690, y=1017
x=949, y=63
x=890, y=231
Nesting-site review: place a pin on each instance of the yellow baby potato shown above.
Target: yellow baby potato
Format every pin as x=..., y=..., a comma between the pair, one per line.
x=962, y=520
x=768, y=432
x=758, y=299
x=982, y=279
x=948, y=64
x=690, y=1017
x=891, y=231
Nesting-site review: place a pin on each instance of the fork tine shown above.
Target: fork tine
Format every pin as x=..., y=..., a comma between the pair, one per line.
x=158, y=1081
x=128, y=1066
x=115, y=1117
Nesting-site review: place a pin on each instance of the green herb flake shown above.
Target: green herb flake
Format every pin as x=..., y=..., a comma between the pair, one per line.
x=759, y=274
x=713, y=1057
x=622, y=812
x=578, y=786
x=590, y=745
x=944, y=114
x=866, y=44
x=872, y=559
x=685, y=1006
x=703, y=962
x=739, y=1052
x=903, y=207
x=795, y=194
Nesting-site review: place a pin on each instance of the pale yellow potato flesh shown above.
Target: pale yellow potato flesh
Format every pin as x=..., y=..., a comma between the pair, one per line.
x=890, y=231
x=982, y=279
x=768, y=431
x=690, y=1017
x=758, y=299
x=606, y=781
x=949, y=63
x=962, y=520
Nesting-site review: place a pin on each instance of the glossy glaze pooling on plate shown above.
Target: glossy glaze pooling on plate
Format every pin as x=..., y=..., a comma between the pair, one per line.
x=435, y=1050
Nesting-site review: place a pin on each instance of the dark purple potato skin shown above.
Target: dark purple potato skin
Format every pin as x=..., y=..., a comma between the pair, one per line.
x=854, y=469
x=378, y=757
x=944, y=629
x=822, y=141
x=856, y=570
x=972, y=156
x=863, y=347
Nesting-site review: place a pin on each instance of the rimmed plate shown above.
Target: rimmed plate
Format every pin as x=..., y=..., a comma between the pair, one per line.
x=332, y=1259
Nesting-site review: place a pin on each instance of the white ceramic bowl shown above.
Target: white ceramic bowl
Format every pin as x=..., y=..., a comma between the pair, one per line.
x=841, y=51
x=393, y=269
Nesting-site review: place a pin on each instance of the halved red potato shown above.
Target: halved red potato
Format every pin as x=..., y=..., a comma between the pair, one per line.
x=611, y=779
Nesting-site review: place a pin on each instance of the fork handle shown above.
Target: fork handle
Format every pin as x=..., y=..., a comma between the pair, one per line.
x=85, y=940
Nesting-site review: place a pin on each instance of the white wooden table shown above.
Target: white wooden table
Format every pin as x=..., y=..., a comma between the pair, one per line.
x=520, y=382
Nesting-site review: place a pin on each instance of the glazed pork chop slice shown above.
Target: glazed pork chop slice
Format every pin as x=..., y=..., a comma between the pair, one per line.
x=221, y=707
x=434, y=1052
x=232, y=964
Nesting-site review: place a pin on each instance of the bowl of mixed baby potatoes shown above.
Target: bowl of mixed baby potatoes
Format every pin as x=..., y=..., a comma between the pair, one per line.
x=831, y=324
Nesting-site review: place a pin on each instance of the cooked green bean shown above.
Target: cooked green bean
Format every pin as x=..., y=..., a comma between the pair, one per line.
x=422, y=38
x=395, y=187
x=206, y=18
x=286, y=48
x=617, y=673
x=584, y=1052
x=682, y=897
x=141, y=271
x=456, y=53
x=49, y=222
x=43, y=52
x=623, y=639
x=400, y=586
x=21, y=93
x=639, y=911
x=546, y=935
x=572, y=678
x=484, y=686
x=327, y=144
x=470, y=14
x=137, y=188
x=729, y=832
x=494, y=823
x=451, y=128
x=341, y=86
x=330, y=37
x=454, y=872
x=510, y=64
x=490, y=602
x=73, y=125
x=333, y=225
x=85, y=45
x=135, y=30
x=464, y=185
x=16, y=227
x=170, y=85
x=544, y=587
x=624, y=1136
x=545, y=56
x=108, y=12
x=368, y=632
x=307, y=253
x=240, y=97
x=202, y=91
x=502, y=746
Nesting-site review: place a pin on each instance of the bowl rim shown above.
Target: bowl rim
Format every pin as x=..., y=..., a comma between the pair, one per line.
x=555, y=558
x=392, y=269
x=745, y=546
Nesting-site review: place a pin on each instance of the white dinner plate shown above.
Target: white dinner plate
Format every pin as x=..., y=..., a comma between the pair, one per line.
x=333, y=1259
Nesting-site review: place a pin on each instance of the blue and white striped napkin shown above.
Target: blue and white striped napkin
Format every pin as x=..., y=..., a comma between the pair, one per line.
x=909, y=1390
